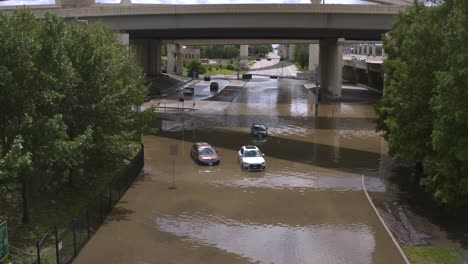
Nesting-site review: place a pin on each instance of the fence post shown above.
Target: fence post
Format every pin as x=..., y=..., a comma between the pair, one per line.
x=110, y=197
x=57, y=254
x=88, y=224
x=118, y=188
x=100, y=208
x=38, y=248
x=74, y=239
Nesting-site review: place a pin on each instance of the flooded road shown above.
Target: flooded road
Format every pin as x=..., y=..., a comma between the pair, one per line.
x=307, y=207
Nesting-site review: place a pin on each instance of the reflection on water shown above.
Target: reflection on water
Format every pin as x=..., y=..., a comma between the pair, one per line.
x=275, y=243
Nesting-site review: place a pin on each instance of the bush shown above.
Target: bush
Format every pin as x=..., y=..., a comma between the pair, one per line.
x=230, y=67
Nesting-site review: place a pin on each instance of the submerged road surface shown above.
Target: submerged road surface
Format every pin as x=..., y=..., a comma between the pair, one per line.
x=307, y=207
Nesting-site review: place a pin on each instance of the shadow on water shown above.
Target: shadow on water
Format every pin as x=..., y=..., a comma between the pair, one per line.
x=322, y=155
x=422, y=204
x=228, y=120
x=119, y=213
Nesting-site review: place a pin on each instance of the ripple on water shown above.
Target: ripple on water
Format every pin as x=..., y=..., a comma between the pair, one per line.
x=291, y=181
x=275, y=243
x=301, y=181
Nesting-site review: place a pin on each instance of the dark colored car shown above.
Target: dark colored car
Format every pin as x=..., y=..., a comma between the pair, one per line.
x=259, y=130
x=214, y=86
x=207, y=78
x=193, y=75
x=204, y=154
x=268, y=59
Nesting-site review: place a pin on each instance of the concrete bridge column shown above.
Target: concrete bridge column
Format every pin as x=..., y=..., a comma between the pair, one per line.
x=291, y=49
x=313, y=57
x=156, y=56
x=123, y=38
x=244, y=56
x=148, y=54
x=170, y=58
x=284, y=51
x=331, y=66
x=179, y=60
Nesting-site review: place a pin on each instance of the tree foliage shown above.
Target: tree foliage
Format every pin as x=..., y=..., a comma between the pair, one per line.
x=256, y=50
x=67, y=95
x=195, y=66
x=301, y=55
x=219, y=51
x=423, y=113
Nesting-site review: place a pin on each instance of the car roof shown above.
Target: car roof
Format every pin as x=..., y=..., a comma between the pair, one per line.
x=202, y=144
x=250, y=147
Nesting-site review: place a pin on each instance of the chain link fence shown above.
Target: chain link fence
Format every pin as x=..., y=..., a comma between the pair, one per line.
x=62, y=246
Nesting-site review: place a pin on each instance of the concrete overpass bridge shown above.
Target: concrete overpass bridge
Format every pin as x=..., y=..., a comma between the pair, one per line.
x=146, y=27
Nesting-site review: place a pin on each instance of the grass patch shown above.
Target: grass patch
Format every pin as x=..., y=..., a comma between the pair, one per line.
x=433, y=255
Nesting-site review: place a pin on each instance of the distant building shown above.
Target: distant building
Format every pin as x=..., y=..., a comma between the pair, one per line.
x=190, y=54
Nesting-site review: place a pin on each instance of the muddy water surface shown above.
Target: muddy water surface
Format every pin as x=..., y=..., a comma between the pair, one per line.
x=307, y=207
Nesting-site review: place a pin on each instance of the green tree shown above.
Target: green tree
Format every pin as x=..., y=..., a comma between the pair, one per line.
x=67, y=95
x=195, y=66
x=449, y=169
x=301, y=55
x=256, y=50
x=423, y=113
x=414, y=55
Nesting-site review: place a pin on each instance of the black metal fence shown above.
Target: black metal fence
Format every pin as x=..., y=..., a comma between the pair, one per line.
x=62, y=246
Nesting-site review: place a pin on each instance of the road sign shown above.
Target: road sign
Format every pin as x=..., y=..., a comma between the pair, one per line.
x=3, y=241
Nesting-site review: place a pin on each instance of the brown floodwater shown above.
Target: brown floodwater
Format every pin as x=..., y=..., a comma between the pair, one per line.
x=307, y=207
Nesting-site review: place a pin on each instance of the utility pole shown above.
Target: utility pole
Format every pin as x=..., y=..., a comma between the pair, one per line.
x=238, y=67
x=317, y=90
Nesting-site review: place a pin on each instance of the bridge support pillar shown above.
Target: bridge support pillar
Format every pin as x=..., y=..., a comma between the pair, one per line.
x=244, y=56
x=313, y=57
x=331, y=66
x=148, y=54
x=179, y=60
x=123, y=38
x=284, y=51
x=170, y=66
x=291, y=48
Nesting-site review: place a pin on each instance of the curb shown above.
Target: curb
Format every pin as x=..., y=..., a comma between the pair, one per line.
x=383, y=223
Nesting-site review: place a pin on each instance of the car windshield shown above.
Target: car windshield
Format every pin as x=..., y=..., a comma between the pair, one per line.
x=252, y=153
x=206, y=151
x=259, y=127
